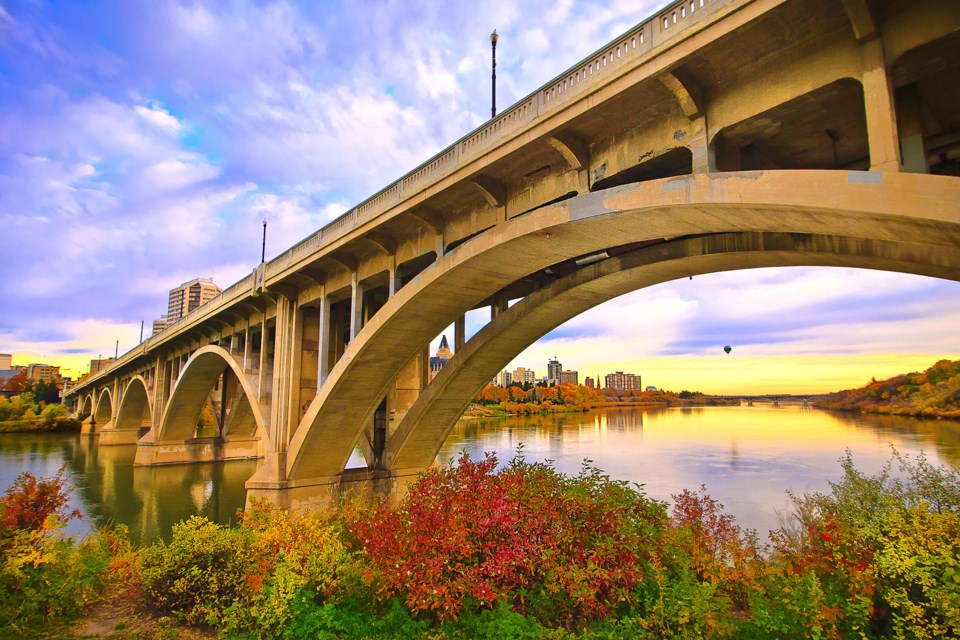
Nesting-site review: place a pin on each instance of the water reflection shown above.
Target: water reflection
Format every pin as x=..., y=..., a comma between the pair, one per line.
x=109, y=489
x=748, y=457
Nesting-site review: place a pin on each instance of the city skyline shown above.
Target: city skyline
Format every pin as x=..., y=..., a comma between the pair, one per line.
x=146, y=147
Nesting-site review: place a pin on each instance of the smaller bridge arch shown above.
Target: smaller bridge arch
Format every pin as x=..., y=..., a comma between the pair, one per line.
x=103, y=414
x=241, y=432
x=133, y=415
x=86, y=406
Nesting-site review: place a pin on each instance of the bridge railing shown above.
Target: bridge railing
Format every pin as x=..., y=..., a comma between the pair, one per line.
x=616, y=57
x=613, y=59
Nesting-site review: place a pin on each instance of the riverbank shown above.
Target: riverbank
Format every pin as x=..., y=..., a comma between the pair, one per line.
x=518, y=551
x=934, y=393
x=40, y=425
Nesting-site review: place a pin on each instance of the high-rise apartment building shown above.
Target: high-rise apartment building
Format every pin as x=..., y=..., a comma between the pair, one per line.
x=189, y=296
x=100, y=363
x=503, y=379
x=553, y=371
x=184, y=299
x=588, y=382
x=568, y=376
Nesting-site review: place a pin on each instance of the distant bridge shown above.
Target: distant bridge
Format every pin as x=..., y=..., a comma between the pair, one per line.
x=717, y=135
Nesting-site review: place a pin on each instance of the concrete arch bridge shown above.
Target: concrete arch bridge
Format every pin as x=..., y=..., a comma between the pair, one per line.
x=834, y=140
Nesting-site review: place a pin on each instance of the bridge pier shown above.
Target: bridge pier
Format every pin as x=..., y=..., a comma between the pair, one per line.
x=313, y=494
x=120, y=436
x=151, y=452
x=88, y=426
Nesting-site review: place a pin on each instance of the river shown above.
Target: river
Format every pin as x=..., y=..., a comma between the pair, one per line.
x=748, y=458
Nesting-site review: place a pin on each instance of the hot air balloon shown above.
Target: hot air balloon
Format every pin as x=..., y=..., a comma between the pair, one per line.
x=728, y=349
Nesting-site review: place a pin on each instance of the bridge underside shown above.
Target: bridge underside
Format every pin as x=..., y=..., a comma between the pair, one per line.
x=655, y=231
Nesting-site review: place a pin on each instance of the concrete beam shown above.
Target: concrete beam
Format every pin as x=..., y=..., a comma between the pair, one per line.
x=861, y=19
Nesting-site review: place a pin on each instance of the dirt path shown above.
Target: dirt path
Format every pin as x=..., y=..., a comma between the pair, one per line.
x=117, y=618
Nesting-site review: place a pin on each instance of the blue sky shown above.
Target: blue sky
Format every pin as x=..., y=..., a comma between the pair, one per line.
x=142, y=143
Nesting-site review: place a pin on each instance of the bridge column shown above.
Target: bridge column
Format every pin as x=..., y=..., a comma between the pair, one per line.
x=459, y=333
x=392, y=275
x=323, y=340
x=910, y=126
x=881, y=114
x=285, y=360
x=356, y=305
x=262, y=373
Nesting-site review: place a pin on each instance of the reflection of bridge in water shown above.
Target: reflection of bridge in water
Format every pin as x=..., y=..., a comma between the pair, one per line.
x=717, y=135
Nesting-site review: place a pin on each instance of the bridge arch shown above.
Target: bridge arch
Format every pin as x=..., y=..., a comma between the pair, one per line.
x=104, y=408
x=192, y=389
x=423, y=430
x=904, y=209
x=86, y=405
x=136, y=409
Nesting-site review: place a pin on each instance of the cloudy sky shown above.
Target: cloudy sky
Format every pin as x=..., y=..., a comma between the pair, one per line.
x=142, y=143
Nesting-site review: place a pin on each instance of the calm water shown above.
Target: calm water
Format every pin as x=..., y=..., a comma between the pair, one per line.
x=748, y=457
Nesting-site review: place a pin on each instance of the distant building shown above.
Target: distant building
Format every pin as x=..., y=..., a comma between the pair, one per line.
x=523, y=375
x=6, y=362
x=68, y=386
x=622, y=381
x=97, y=365
x=504, y=379
x=184, y=299
x=43, y=372
x=160, y=324
x=650, y=387
x=588, y=382
x=553, y=371
x=568, y=376
x=443, y=356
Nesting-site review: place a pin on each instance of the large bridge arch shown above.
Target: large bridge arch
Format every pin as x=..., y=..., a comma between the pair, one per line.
x=904, y=209
x=136, y=408
x=423, y=430
x=192, y=389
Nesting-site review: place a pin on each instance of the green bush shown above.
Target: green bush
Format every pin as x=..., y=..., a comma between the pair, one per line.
x=200, y=573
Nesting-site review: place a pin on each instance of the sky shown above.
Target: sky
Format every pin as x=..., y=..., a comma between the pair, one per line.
x=143, y=143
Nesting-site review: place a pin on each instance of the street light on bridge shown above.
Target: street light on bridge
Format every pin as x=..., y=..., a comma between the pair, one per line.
x=493, y=78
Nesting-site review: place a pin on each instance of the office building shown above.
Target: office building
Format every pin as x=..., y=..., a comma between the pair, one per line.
x=568, y=376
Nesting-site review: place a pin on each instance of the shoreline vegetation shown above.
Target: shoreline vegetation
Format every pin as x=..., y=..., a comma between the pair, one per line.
x=518, y=550
x=494, y=401
x=934, y=393
x=28, y=413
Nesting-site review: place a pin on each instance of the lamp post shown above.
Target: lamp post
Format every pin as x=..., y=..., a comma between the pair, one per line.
x=263, y=248
x=493, y=78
